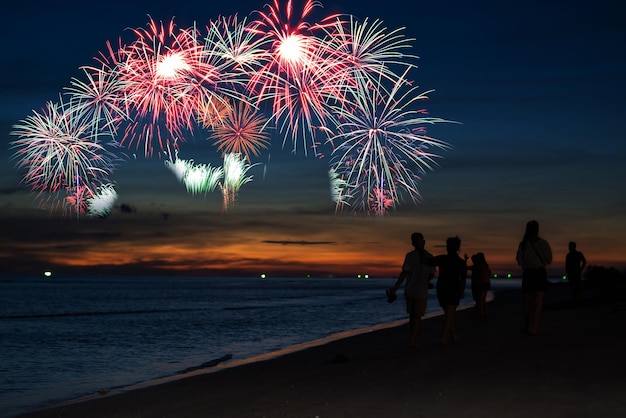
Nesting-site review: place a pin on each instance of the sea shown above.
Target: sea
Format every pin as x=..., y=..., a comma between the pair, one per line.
x=63, y=338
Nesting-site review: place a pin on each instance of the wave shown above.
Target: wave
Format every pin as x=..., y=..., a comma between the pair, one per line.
x=102, y=313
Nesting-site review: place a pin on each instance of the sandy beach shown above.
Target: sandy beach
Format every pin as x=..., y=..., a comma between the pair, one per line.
x=575, y=368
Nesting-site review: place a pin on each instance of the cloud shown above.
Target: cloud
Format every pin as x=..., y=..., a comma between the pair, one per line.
x=289, y=242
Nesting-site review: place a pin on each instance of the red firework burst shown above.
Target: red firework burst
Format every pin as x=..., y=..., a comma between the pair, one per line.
x=165, y=75
x=299, y=75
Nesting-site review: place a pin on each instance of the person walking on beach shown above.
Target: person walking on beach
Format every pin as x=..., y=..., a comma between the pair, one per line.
x=533, y=255
x=417, y=275
x=575, y=263
x=450, y=285
x=481, y=283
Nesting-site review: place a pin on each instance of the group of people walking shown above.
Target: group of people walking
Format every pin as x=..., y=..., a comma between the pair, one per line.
x=533, y=255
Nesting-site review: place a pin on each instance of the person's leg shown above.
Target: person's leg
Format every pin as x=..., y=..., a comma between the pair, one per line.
x=536, y=315
x=419, y=309
x=483, y=301
x=526, y=310
x=476, y=297
x=453, y=324
x=446, y=325
x=575, y=285
x=415, y=322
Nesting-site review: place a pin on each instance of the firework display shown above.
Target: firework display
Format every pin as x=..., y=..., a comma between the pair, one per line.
x=337, y=88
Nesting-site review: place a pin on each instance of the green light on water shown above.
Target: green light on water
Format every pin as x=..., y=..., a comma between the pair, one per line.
x=263, y=275
x=508, y=276
x=47, y=273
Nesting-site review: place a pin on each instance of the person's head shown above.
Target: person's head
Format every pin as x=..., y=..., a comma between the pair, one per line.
x=532, y=230
x=479, y=258
x=572, y=246
x=453, y=245
x=417, y=239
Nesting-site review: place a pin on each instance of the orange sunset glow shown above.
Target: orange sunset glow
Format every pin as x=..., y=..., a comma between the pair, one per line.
x=281, y=245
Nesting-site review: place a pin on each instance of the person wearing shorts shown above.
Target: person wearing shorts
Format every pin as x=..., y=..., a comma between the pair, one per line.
x=417, y=275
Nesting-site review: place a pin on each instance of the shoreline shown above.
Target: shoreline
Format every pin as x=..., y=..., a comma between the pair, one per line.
x=228, y=364
x=375, y=373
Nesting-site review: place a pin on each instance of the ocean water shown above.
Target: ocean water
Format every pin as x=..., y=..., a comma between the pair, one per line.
x=66, y=337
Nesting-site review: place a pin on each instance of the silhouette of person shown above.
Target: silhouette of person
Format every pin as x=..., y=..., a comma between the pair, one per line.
x=575, y=263
x=450, y=285
x=481, y=283
x=417, y=275
x=533, y=255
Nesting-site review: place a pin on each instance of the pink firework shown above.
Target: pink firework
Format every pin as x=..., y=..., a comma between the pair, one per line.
x=165, y=74
x=333, y=85
x=299, y=77
x=77, y=200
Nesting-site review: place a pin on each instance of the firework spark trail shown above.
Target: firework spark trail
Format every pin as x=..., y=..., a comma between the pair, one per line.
x=57, y=150
x=337, y=189
x=298, y=77
x=99, y=100
x=202, y=178
x=179, y=167
x=236, y=43
x=242, y=131
x=303, y=108
x=369, y=48
x=197, y=178
x=166, y=73
x=77, y=200
x=336, y=86
x=382, y=149
x=235, y=176
x=211, y=112
x=102, y=202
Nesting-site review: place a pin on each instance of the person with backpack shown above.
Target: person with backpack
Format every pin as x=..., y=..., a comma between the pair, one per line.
x=533, y=255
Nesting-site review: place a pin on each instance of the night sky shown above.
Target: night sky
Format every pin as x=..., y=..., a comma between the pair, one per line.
x=538, y=89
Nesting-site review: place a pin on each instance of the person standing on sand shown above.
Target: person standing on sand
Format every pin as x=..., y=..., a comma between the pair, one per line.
x=481, y=283
x=575, y=263
x=533, y=255
x=417, y=275
x=450, y=285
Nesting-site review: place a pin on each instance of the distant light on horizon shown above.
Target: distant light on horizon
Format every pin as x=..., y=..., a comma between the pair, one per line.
x=47, y=273
x=508, y=275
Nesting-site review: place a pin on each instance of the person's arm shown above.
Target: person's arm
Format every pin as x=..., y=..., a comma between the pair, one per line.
x=584, y=262
x=401, y=278
x=548, y=253
x=520, y=255
x=463, y=277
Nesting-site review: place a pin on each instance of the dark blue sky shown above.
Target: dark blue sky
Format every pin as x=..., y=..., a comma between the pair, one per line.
x=539, y=89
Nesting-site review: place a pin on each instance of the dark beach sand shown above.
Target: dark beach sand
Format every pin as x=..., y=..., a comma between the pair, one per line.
x=575, y=368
